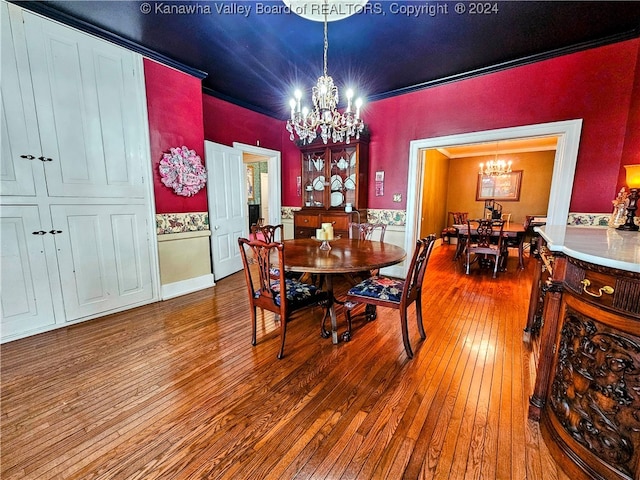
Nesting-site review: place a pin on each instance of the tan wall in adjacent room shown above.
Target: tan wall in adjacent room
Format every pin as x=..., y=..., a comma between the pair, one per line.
x=537, y=170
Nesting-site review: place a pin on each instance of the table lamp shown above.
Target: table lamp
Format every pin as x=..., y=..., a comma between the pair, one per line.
x=633, y=181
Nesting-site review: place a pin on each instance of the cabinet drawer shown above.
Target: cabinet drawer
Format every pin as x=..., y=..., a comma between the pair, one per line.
x=306, y=221
x=603, y=288
x=340, y=221
x=302, y=232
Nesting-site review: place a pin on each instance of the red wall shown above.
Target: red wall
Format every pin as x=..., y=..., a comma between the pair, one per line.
x=174, y=104
x=226, y=123
x=600, y=86
x=631, y=151
x=596, y=85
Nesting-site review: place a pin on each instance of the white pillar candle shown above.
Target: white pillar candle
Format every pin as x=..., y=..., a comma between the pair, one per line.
x=329, y=232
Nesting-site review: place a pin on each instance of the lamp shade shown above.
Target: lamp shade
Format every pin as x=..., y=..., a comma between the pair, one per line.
x=633, y=176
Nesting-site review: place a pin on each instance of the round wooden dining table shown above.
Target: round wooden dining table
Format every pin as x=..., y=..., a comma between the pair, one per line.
x=346, y=256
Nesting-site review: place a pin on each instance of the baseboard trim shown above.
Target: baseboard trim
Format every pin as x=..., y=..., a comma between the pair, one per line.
x=176, y=289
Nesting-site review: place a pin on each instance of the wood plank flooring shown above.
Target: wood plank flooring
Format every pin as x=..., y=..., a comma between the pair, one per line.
x=175, y=390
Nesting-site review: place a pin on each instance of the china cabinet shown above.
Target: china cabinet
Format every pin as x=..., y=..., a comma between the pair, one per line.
x=334, y=186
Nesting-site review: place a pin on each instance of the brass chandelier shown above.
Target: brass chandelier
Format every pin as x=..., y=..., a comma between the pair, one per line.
x=494, y=168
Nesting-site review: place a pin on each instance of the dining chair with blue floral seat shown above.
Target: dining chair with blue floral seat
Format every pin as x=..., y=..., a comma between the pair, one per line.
x=395, y=293
x=260, y=260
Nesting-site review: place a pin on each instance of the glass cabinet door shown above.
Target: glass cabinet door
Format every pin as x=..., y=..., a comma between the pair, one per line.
x=344, y=176
x=314, y=181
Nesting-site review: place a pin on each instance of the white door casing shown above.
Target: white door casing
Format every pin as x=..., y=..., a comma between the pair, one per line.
x=264, y=195
x=226, y=196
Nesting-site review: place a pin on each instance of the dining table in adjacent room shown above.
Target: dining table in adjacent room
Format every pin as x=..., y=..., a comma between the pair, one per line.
x=513, y=232
x=347, y=256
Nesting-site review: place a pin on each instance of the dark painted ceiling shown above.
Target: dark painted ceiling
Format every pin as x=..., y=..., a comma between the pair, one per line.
x=256, y=60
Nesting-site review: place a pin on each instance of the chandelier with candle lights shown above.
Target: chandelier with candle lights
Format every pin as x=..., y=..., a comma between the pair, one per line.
x=324, y=119
x=495, y=168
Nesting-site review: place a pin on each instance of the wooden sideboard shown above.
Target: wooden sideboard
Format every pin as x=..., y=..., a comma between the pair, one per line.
x=587, y=388
x=305, y=222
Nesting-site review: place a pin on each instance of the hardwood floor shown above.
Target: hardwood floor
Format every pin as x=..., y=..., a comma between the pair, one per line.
x=175, y=390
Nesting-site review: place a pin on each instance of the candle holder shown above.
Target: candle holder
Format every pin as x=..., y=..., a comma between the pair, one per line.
x=325, y=245
x=633, y=181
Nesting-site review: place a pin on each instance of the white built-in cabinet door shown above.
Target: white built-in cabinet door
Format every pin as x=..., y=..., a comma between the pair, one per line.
x=20, y=144
x=88, y=114
x=103, y=257
x=74, y=155
x=24, y=277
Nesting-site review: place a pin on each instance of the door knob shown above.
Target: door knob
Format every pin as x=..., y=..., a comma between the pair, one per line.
x=28, y=157
x=45, y=159
x=53, y=232
x=39, y=232
x=216, y=227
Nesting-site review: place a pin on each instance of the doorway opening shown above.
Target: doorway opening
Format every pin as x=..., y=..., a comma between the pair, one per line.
x=568, y=139
x=263, y=189
x=452, y=181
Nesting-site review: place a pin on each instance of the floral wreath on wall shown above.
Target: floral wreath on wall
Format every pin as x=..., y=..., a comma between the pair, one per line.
x=182, y=170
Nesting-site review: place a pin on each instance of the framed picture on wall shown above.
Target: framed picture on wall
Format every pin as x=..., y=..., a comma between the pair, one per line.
x=504, y=187
x=250, y=192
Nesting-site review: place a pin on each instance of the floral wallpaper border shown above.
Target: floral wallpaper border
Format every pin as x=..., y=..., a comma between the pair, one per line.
x=593, y=219
x=399, y=217
x=390, y=217
x=181, y=222
x=286, y=213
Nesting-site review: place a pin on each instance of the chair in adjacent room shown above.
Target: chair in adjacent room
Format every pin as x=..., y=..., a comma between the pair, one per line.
x=265, y=290
x=458, y=218
x=453, y=218
x=397, y=294
x=484, y=243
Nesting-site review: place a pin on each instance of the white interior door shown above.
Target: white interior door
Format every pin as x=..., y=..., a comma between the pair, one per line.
x=227, y=207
